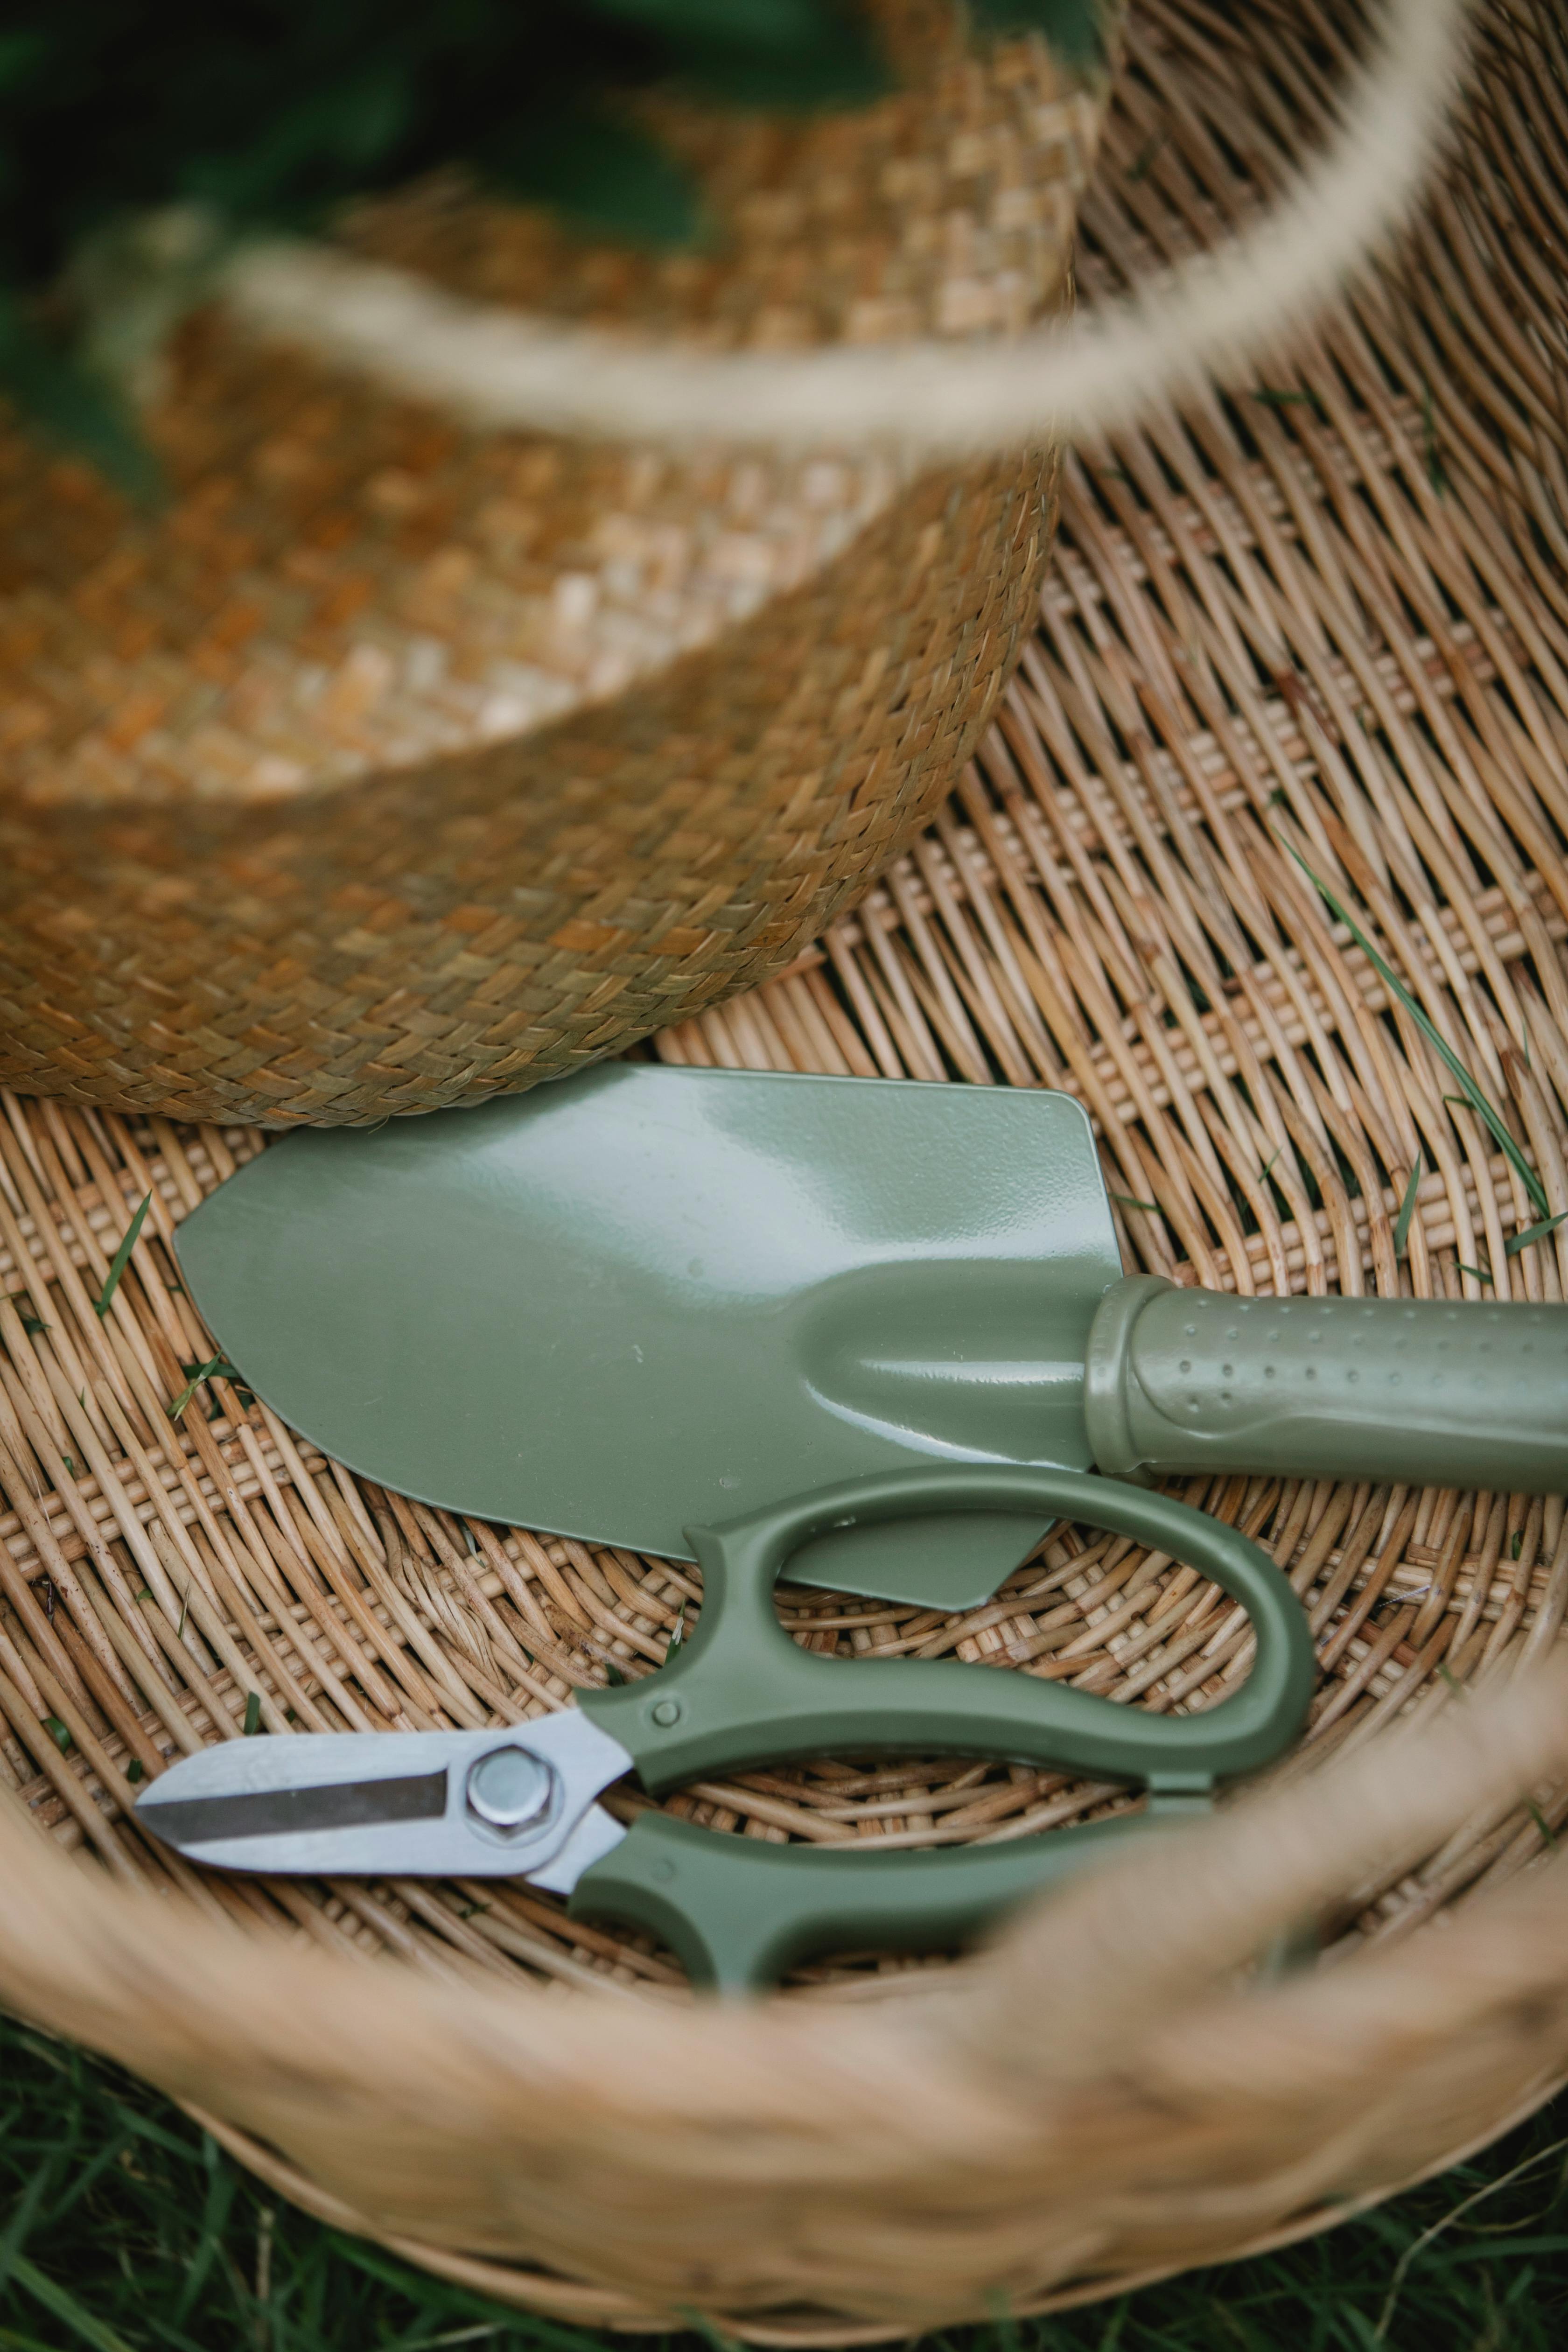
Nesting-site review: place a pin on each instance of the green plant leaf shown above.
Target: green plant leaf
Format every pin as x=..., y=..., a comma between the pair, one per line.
x=61, y=400
x=605, y=174
x=252, y=1713
x=59, y=1733
x=763, y=53
x=329, y=137
x=1072, y=28
x=20, y=54
x=754, y=24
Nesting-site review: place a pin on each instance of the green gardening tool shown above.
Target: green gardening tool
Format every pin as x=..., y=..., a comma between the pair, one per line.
x=518, y=1801
x=644, y=1297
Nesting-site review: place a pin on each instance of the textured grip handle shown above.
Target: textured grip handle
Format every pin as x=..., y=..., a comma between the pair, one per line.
x=1415, y=1392
x=737, y=1913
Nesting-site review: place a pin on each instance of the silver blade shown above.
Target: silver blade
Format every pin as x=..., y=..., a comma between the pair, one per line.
x=504, y=1803
x=595, y=1835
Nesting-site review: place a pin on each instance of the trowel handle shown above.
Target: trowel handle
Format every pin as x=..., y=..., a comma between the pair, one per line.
x=1417, y=1391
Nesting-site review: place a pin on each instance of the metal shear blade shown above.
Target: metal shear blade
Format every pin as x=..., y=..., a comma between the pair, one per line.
x=513, y=1802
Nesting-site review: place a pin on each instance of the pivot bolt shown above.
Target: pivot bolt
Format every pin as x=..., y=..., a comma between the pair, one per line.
x=509, y=1789
x=667, y=1712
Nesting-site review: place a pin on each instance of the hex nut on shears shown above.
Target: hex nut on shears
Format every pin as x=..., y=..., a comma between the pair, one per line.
x=510, y=1790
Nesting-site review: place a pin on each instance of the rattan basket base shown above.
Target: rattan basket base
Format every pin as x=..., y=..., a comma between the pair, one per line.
x=1325, y=611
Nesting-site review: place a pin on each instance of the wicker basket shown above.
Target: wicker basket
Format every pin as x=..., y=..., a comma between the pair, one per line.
x=394, y=764
x=1329, y=606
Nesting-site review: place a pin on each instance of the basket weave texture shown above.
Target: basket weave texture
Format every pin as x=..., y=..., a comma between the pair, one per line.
x=393, y=764
x=1326, y=610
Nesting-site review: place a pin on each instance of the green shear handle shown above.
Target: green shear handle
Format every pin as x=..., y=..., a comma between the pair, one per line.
x=741, y=1692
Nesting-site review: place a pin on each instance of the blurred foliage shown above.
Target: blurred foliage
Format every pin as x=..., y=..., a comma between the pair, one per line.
x=1071, y=27
x=273, y=112
x=277, y=109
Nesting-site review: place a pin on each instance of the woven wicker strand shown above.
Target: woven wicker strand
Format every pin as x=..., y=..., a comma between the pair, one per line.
x=1328, y=610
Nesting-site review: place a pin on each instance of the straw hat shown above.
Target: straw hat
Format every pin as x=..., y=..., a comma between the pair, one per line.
x=393, y=763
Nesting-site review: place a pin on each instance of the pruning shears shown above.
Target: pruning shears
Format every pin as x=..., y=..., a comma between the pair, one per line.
x=521, y=1800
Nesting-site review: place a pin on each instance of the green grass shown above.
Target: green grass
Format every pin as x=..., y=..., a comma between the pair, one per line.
x=125, y=2228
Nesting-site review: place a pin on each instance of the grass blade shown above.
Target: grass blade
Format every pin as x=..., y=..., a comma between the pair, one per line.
x=1478, y=1102
x=1532, y=1234
x=1140, y=169
x=198, y=1373
x=1277, y=399
x=221, y=2185
x=61, y=2304
x=1406, y=1210
x=121, y=1258
x=1435, y=472
x=541, y=2332
x=10, y=2341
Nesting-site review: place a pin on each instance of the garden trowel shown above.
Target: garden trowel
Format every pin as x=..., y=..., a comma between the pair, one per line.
x=646, y=1298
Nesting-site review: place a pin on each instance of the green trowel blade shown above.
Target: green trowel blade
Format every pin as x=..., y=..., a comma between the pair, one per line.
x=646, y=1300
